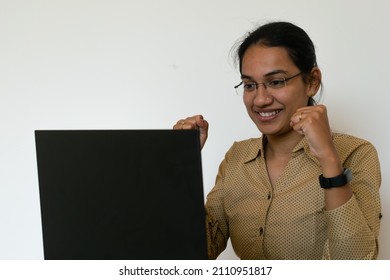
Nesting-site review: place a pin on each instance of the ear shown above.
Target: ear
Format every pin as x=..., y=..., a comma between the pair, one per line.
x=314, y=82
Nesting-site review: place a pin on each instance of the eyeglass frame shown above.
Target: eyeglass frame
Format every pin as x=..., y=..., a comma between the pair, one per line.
x=265, y=84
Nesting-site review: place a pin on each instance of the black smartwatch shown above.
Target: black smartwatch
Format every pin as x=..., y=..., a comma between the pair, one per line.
x=338, y=181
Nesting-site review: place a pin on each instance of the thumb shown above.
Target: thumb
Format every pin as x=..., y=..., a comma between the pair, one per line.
x=203, y=127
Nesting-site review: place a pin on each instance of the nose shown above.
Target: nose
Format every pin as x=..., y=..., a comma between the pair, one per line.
x=262, y=96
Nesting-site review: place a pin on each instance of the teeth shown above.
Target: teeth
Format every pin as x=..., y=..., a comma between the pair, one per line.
x=268, y=114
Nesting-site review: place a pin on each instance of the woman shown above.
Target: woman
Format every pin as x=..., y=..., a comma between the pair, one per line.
x=290, y=194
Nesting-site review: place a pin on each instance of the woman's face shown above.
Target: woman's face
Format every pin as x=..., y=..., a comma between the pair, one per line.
x=271, y=109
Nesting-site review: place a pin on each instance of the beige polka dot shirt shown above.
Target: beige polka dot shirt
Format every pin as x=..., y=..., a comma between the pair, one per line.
x=288, y=220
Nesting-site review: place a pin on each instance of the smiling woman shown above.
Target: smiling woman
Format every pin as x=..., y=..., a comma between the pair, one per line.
x=267, y=106
x=289, y=194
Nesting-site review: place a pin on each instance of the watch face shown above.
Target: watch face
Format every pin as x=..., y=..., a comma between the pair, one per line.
x=348, y=174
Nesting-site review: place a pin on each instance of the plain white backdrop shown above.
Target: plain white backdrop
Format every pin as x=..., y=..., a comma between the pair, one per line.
x=116, y=64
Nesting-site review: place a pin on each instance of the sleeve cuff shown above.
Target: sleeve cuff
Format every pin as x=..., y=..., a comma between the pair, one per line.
x=345, y=221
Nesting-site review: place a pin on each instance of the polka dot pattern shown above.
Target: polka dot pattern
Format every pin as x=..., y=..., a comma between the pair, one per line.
x=288, y=220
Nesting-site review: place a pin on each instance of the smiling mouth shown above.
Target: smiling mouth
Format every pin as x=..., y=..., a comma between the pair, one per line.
x=269, y=114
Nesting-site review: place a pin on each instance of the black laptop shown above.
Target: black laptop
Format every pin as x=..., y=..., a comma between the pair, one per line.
x=121, y=194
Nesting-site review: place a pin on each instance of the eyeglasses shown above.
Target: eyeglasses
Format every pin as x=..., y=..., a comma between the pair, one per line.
x=274, y=84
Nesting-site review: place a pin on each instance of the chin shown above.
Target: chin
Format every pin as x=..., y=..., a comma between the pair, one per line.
x=263, y=130
x=269, y=130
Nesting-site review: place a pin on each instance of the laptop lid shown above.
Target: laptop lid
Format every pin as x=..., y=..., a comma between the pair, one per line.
x=121, y=194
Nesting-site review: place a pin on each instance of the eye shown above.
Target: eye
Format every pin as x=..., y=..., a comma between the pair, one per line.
x=249, y=86
x=276, y=83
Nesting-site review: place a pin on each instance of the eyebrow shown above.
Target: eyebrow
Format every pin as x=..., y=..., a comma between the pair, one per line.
x=278, y=71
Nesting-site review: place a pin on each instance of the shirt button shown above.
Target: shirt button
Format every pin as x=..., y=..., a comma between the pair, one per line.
x=269, y=196
x=261, y=231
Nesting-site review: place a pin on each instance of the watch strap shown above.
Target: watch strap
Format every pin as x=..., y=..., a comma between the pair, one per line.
x=338, y=181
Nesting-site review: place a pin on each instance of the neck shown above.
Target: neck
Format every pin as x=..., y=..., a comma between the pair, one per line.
x=282, y=145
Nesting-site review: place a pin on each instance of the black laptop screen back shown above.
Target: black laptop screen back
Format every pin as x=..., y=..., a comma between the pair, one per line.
x=121, y=194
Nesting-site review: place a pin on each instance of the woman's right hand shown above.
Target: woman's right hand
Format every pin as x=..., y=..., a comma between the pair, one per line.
x=195, y=122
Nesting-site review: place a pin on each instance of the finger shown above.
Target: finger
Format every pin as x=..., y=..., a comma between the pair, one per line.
x=300, y=116
x=305, y=109
x=297, y=121
x=188, y=123
x=203, y=126
x=297, y=118
x=204, y=130
x=201, y=123
x=179, y=124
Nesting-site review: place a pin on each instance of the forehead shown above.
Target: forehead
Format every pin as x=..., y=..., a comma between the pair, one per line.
x=260, y=60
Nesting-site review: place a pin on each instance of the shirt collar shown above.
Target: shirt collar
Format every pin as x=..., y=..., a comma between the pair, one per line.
x=257, y=149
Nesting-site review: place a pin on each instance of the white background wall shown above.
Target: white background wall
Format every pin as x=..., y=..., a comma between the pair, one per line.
x=73, y=64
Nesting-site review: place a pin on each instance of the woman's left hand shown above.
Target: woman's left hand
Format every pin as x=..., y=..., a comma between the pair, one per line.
x=312, y=122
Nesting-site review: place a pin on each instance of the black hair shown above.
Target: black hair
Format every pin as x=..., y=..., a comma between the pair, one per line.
x=294, y=39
